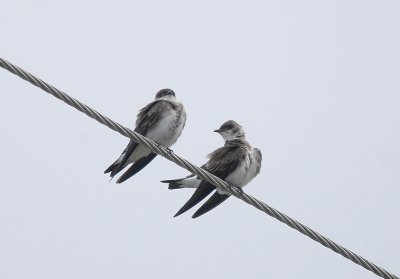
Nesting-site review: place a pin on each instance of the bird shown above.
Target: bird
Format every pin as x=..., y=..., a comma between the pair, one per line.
x=162, y=121
x=237, y=162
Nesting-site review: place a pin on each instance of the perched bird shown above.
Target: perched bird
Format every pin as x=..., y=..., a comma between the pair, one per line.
x=236, y=162
x=162, y=121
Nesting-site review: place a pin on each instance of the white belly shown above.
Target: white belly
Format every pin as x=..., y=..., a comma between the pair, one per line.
x=243, y=174
x=166, y=132
x=168, y=129
x=191, y=182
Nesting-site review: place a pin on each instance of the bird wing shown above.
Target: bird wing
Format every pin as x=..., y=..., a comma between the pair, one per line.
x=225, y=160
x=222, y=162
x=119, y=164
x=151, y=114
x=146, y=118
x=136, y=167
x=215, y=200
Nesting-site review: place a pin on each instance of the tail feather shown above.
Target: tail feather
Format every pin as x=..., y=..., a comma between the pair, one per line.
x=115, y=168
x=121, y=162
x=173, y=183
x=186, y=182
x=174, y=186
x=110, y=168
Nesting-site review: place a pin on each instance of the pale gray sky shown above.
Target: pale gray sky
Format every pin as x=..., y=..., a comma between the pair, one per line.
x=314, y=84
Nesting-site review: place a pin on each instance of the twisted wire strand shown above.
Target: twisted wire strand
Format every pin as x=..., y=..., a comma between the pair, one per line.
x=170, y=155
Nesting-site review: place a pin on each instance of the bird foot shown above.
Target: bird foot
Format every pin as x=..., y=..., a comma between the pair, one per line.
x=238, y=189
x=169, y=150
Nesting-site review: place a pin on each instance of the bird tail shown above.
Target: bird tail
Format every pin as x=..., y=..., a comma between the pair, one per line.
x=173, y=184
x=115, y=168
x=110, y=168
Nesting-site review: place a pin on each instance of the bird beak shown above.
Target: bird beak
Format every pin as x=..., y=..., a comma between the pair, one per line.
x=218, y=130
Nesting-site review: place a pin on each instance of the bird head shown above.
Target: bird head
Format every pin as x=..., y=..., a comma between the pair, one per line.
x=230, y=130
x=165, y=93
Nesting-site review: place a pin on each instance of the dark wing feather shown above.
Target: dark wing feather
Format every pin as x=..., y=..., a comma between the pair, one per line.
x=201, y=192
x=224, y=160
x=136, y=167
x=146, y=118
x=151, y=114
x=210, y=204
x=221, y=163
x=218, y=198
x=118, y=165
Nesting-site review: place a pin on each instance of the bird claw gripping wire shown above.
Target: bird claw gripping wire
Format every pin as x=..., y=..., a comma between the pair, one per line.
x=161, y=147
x=238, y=189
x=169, y=150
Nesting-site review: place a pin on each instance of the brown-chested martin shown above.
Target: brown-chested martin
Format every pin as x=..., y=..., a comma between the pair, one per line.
x=237, y=162
x=162, y=121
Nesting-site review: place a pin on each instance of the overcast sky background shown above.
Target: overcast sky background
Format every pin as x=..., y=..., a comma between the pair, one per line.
x=315, y=84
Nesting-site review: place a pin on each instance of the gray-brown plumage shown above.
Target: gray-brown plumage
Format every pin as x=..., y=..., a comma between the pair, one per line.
x=236, y=162
x=162, y=121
